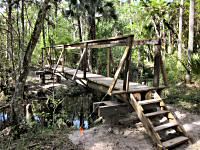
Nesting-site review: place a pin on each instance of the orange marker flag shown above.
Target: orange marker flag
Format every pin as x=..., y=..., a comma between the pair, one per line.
x=81, y=130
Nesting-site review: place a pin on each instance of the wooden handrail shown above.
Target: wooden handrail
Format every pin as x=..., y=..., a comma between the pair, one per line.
x=110, y=42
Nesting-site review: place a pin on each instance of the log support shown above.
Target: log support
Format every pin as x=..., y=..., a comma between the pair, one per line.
x=159, y=66
x=156, y=79
x=63, y=59
x=127, y=67
x=42, y=76
x=85, y=64
x=108, y=61
x=43, y=49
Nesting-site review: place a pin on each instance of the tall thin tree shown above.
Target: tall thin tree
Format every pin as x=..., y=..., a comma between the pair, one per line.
x=180, y=30
x=19, y=88
x=191, y=30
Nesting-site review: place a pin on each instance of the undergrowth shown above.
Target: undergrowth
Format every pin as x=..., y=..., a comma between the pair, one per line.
x=185, y=97
x=39, y=138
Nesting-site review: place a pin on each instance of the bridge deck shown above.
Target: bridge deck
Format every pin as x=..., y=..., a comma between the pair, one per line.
x=99, y=81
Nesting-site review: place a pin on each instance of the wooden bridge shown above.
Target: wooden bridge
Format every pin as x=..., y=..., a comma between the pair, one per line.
x=144, y=100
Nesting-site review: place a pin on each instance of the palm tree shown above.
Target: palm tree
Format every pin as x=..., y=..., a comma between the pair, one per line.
x=90, y=9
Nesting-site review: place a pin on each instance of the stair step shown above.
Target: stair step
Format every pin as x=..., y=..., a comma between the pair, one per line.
x=156, y=113
x=149, y=101
x=165, y=126
x=175, y=141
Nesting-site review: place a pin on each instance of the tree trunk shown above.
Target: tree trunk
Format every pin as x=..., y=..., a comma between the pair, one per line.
x=10, y=38
x=180, y=30
x=157, y=58
x=19, y=38
x=19, y=89
x=169, y=42
x=23, y=31
x=191, y=33
x=80, y=29
x=91, y=36
x=191, y=30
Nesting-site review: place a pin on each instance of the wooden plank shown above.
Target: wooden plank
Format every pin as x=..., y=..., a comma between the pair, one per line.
x=136, y=90
x=165, y=126
x=114, y=110
x=149, y=101
x=98, y=80
x=175, y=141
x=110, y=42
x=126, y=52
x=39, y=72
x=161, y=112
x=114, y=103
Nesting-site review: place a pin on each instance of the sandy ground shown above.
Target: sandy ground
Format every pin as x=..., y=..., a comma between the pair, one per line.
x=133, y=136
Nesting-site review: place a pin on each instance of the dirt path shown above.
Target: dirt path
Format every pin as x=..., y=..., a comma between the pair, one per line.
x=133, y=136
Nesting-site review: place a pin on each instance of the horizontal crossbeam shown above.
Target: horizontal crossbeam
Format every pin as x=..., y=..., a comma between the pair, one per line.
x=110, y=42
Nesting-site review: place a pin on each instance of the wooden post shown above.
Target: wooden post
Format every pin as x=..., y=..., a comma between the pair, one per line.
x=85, y=61
x=124, y=57
x=58, y=79
x=157, y=56
x=43, y=57
x=63, y=58
x=108, y=61
x=127, y=67
x=50, y=60
x=42, y=78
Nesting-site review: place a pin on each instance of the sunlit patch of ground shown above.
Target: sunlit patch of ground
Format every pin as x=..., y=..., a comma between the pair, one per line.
x=134, y=137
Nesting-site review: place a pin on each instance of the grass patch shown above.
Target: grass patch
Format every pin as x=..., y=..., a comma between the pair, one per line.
x=185, y=97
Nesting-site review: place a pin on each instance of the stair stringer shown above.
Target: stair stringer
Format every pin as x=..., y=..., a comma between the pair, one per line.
x=173, y=116
x=145, y=121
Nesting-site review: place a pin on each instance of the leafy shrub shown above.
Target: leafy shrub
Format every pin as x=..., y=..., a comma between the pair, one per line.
x=175, y=70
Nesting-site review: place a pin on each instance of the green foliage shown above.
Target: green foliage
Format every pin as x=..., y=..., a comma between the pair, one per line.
x=195, y=64
x=175, y=71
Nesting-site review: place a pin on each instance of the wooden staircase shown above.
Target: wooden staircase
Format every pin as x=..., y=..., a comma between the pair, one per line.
x=160, y=123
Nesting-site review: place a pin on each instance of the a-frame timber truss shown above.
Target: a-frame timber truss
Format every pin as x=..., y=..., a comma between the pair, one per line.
x=145, y=100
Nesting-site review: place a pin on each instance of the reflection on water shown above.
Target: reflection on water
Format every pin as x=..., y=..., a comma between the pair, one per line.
x=3, y=117
x=76, y=123
x=37, y=118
